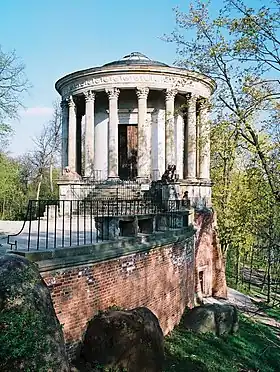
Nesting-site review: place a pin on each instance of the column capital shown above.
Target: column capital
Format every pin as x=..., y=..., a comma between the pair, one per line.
x=191, y=98
x=89, y=95
x=170, y=94
x=70, y=101
x=113, y=93
x=142, y=92
x=204, y=103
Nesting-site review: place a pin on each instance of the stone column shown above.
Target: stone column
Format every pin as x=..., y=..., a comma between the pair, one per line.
x=64, y=134
x=204, y=169
x=191, y=135
x=89, y=133
x=170, y=156
x=144, y=136
x=72, y=135
x=113, y=95
x=179, y=144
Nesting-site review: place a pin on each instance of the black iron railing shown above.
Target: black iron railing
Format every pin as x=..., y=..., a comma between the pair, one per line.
x=51, y=224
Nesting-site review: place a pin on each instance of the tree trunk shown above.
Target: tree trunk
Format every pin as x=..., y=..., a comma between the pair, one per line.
x=39, y=186
x=237, y=267
x=264, y=280
x=251, y=267
x=269, y=276
x=3, y=209
x=51, y=177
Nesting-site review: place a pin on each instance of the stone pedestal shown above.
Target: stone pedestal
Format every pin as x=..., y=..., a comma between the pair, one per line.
x=107, y=228
x=162, y=222
x=70, y=191
x=171, y=195
x=198, y=191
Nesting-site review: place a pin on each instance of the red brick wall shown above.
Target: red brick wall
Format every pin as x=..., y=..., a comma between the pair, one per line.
x=208, y=257
x=161, y=279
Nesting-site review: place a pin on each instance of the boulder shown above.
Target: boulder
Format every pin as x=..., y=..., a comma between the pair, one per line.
x=31, y=337
x=219, y=319
x=128, y=339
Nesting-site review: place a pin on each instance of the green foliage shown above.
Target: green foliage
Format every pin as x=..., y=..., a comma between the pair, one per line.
x=16, y=190
x=23, y=329
x=255, y=347
x=13, y=84
x=22, y=337
x=239, y=49
x=12, y=198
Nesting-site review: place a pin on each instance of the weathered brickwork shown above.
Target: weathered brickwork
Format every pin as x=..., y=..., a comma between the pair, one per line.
x=210, y=275
x=161, y=279
x=166, y=278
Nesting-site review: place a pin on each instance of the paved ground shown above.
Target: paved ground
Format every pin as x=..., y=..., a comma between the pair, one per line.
x=248, y=305
x=240, y=300
x=55, y=235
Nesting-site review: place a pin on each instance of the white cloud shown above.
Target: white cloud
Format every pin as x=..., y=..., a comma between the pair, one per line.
x=37, y=111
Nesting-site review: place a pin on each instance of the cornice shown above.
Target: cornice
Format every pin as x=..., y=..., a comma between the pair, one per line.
x=102, y=72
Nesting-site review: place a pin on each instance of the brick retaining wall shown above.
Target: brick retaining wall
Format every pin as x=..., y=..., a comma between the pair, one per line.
x=161, y=278
x=161, y=271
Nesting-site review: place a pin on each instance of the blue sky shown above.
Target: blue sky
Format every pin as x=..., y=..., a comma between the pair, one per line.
x=56, y=37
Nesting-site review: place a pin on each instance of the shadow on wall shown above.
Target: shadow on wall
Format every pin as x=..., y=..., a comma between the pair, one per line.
x=209, y=263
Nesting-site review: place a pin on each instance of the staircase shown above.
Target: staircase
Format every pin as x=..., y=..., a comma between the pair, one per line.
x=116, y=200
x=120, y=192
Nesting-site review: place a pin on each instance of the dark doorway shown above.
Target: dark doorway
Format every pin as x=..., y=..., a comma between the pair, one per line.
x=127, y=152
x=201, y=281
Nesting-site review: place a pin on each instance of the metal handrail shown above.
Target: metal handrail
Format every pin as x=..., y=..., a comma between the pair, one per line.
x=21, y=230
x=73, y=220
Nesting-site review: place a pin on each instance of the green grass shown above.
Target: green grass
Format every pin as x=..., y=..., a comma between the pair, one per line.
x=273, y=312
x=254, y=348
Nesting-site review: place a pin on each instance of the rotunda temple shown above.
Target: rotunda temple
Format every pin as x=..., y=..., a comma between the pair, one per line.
x=132, y=118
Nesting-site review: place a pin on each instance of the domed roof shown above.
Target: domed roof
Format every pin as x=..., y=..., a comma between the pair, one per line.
x=135, y=58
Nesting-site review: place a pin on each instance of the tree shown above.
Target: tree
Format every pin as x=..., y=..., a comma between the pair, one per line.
x=243, y=92
x=39, y=164
x=239, y=49
x=12, y=199
x=13, y=83
x=256, y=34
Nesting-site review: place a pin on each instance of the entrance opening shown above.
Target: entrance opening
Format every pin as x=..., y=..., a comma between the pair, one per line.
x=127, y=152
x=201, y=281
x=128, y=228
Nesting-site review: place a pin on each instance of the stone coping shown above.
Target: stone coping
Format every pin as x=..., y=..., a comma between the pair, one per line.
x=195, y=182
x=90, y=254
x=108, y=184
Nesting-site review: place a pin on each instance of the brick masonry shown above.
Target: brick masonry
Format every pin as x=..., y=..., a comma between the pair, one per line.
x=161, y=279
x=210, y=277
x=165, y=277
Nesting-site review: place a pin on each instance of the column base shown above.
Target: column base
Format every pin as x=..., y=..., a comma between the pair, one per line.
x=190, y=179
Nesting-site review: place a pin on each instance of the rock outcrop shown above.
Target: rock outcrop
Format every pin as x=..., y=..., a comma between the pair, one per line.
x=218, y=319
x=129, y=339
x=31, y=337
